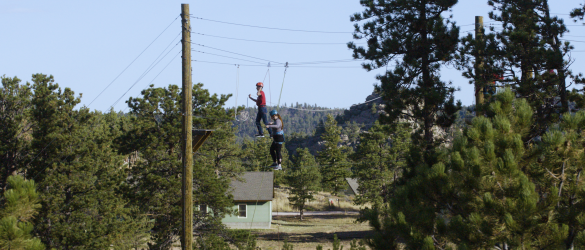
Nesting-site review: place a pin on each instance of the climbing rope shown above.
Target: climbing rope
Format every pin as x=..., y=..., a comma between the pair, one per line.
x=237, y=91
x=263, y=81
x=285, y=68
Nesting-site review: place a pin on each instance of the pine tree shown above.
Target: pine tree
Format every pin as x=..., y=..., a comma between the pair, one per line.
x=559, y=172
x=379, y=158
x=19, y=206
x=15, y=101
x=527, y=55
x=498, y=204
x=155, y=183
x=77, y=170
x=578, y=13
x=333, y=158
x=415, y=34
x=303, y=179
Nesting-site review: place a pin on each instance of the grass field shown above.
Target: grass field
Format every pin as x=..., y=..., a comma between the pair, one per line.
x=312, y=231
x=280, y=202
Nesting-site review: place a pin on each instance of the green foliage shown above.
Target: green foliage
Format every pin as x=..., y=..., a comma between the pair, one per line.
x=155, y=184
x=357, y=245
x=558, y=173
x=379, y=158
x=19, y=206
x=287, y=246
x=333, y=158
x=336, y=243
x=501, y=204
x=241, y=239
x=418, y=39
x=77, y=169
x=578, y=12
x=15, y=101
x=319, y=247
x=303, y=179
x=529, y=55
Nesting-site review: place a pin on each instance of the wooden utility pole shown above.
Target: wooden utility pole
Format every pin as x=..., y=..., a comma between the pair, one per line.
x=479, y=74
x=187, y=188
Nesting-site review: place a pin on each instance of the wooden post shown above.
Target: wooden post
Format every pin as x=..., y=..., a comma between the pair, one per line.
x=479, y=77
x=187, y=187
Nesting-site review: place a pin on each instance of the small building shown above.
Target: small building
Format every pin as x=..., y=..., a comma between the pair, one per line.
x=253, y=201
x=353, y=185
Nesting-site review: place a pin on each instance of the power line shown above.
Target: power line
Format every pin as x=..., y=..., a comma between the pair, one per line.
x=143, y=75
x=132, y=62
x=95, y=123
x=259, y=41
x=51, y=142
x=261, y=27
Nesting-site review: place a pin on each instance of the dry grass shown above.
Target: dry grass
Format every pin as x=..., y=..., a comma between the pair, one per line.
x=280, y=202
x=312, y=231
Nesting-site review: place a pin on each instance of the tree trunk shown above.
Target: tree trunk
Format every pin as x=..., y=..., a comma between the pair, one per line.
x=427, y=81
x=554, y=43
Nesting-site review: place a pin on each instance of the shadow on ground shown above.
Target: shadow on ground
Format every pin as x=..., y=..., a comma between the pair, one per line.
x=314, y=237
x=314, y=229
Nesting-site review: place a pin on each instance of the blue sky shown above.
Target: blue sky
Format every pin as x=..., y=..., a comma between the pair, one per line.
x=87, y=44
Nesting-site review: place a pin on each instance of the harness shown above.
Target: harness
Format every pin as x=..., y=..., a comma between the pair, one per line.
x=278, y=137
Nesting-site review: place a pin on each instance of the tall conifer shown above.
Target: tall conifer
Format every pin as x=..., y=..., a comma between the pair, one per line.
x=303, y=179
x=76, y=169
x=154, y=183
x=15, y=107
x=333, y=158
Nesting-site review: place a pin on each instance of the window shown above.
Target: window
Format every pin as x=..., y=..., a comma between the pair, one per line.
x=203, y=208
x=242, y=210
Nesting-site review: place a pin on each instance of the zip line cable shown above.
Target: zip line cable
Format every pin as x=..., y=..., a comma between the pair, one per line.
x=298, y=63
x=261, y=27
x=234, y=53
x=252, y=65
x=259, y=41
x=132, y=62
x=223, y=56
x=232, y=64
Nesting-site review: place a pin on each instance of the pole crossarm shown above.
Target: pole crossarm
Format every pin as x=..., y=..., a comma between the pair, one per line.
x=199, y=137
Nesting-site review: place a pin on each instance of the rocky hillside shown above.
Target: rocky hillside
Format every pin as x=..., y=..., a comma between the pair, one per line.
x=357, y=118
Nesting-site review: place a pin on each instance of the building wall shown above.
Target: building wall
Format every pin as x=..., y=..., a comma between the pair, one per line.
x=257, y=216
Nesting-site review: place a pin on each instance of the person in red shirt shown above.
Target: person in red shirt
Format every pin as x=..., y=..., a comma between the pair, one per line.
x=262, y=111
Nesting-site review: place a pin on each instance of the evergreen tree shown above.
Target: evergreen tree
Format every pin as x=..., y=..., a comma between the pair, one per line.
x=578, y=13
x=154, y=132
x=559, y=171
x=497, y=202
x=379, y=158
x=417, y=37
x=333, y=158
x=303, y=179
x=76, y=169
x=19, y=206
x=15, y=101
x=415, y=34
x=527, y=55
